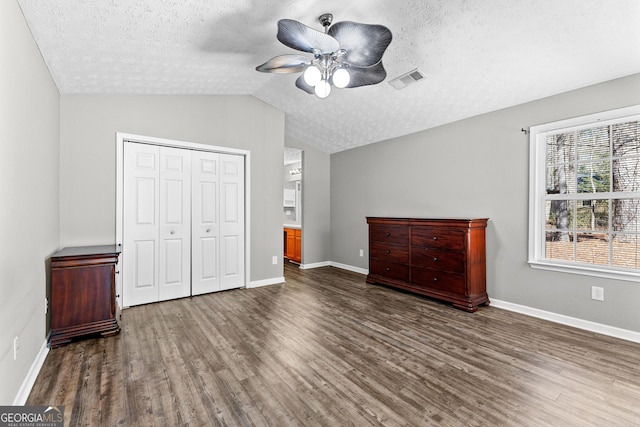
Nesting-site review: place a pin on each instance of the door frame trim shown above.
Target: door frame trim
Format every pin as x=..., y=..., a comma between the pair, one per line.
x=122, y=137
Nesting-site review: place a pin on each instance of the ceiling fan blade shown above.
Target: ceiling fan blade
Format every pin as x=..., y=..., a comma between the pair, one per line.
x=298, y=36
x=366, y=76
x=292, y=63
x=365, y=44
x=301, y=84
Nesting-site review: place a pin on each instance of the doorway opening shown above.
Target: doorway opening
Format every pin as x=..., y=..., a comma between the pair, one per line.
x=292, y=205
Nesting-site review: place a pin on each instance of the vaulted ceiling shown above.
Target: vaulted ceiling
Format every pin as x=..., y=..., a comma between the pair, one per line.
x=477, y=56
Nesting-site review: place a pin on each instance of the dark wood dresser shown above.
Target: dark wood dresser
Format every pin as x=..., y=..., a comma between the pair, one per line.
x=439, y=258
x=83, y=293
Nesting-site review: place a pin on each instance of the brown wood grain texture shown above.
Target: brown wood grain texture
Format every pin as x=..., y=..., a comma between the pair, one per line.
x=326, y=349
x=438, y=258
x=83, y=293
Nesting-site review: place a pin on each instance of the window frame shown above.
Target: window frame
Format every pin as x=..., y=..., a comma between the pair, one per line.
x=537, y=191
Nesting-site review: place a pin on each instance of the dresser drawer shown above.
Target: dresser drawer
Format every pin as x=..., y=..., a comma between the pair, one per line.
x=396, y=234
x=438, y=238
x=388, y=269
x=438, y=259
x=438, y=280
x=387, y=252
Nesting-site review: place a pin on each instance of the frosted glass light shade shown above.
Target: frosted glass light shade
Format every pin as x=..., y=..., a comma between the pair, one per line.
x=312, y=75
x=341, y=78
x=323, y=89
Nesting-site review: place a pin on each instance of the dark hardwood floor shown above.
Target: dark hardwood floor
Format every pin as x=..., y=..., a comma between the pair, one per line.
x=327, y=349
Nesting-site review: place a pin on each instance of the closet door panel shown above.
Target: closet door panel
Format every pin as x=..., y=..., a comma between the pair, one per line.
x=140, y=222
x=232, y=221
x=175, y=224
x=205, y=222
x=209, y=247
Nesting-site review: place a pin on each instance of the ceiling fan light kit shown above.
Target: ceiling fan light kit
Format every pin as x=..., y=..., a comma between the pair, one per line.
x=348, y=54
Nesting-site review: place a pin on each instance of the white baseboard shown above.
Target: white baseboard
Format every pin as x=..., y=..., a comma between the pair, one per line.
x=334, y=264
x=349, y=267
x=30, y=379
x=315, y=265
x=265, y=282
x=599, y=328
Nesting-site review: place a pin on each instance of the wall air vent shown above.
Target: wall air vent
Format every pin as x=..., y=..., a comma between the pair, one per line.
x=407, y=79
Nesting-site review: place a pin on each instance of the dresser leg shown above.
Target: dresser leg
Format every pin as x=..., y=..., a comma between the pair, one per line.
x=466, y=307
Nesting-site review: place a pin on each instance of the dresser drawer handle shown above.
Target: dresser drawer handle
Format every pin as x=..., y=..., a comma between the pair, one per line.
x=435, y=259
x=387, y=252
x=387, y=234
x=388, y=269
x=435, y=279
x=435, y=238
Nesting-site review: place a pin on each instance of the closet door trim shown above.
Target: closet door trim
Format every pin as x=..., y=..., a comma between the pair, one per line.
x=122, y=138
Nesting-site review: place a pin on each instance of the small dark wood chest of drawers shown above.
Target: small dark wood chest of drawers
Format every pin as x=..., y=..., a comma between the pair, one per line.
x=83, y=293
x=440, y=258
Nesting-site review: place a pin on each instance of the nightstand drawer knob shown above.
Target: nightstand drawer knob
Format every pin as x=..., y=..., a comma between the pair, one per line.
x=387, y=252
x=435, y=238
x=435, y=279
x=435, y=259
x=388, y=269
x=387, y=234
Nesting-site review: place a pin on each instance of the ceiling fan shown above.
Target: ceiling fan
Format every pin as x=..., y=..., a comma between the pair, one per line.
x=348, y=54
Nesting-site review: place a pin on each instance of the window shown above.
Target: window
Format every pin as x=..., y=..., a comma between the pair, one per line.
x=585, y=195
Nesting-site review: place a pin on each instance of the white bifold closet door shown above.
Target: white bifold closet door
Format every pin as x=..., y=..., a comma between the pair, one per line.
x=183, y=223
x=157, y=223
x=217, y=222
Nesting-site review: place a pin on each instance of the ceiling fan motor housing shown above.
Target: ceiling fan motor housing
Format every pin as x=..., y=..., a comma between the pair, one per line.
x=326, y=19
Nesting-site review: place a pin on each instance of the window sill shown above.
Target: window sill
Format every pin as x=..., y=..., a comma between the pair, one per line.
x=594, y=271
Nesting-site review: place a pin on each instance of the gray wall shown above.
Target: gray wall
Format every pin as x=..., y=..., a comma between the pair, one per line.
x=315, y=203
x=88, y=126
x=29, y=112
x=478, y=167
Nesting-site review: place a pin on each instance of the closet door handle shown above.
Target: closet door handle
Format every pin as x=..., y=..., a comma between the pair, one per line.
x=208, y=230
x=172, y=232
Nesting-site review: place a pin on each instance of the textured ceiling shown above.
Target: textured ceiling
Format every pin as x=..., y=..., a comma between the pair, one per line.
x=478, y=56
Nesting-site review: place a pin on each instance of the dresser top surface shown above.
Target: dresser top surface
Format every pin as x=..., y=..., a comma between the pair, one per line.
x=391, y=220
x=76, y=251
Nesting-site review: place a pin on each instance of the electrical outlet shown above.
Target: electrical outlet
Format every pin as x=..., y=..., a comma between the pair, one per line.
x=15, y=348
x=597, y=293
x=361, y=252
x=274, y=260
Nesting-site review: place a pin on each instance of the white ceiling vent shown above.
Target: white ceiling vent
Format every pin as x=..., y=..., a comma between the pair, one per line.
x=406, y=79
